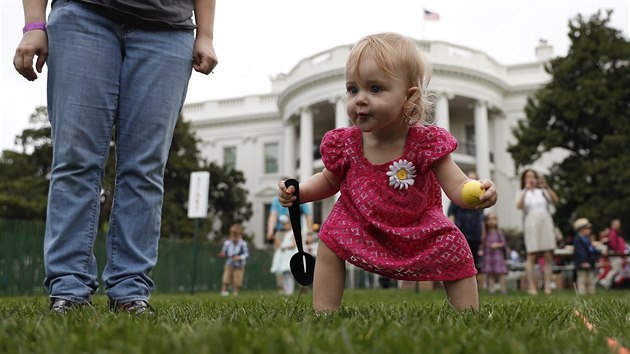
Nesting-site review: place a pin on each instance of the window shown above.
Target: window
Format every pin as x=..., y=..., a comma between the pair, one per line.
x=229, y=157
x=271, y=158
x=470, y=140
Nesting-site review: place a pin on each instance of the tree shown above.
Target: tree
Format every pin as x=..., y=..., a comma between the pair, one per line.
x=584, y=110
x=227, y=201
x=25, y=177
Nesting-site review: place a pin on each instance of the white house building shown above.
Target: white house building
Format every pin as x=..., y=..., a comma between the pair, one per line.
x=277, y=134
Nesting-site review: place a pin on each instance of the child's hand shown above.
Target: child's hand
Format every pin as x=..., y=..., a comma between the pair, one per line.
x=285, y=195
x=489, y=196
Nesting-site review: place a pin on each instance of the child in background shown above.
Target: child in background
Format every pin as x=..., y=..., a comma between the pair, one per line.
x=280, y=264
x=389, y=167
x=585, y=255
x=494, y=254
x=235, y=252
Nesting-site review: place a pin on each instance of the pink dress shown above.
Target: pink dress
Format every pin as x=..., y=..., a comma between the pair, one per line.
x=494, y=258
x=398, y=233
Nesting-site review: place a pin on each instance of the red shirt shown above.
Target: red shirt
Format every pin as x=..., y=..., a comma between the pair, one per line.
x=616, y=243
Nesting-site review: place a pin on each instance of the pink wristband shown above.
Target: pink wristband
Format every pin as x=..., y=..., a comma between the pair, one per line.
x=33, y=26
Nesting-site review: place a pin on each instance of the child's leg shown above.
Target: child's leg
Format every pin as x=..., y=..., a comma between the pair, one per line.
x=225, y=279
x=502, y=283
x=288, y=283
x=491, y=282
x=591, y=283
x=237, y=281
x=581, y=281
x=329, y=281
x=462, y=294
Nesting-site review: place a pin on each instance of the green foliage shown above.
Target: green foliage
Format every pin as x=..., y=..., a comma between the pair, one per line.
x=227, y=203
x=585, y=111
x=24, y=182
x=227, y=200
x=24, y=175
x=371, y=321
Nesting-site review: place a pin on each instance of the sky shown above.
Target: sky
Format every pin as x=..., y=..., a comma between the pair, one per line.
x=256, y=40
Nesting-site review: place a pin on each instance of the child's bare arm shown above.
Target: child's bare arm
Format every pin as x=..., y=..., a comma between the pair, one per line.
x=317, y=187
x=452, y=179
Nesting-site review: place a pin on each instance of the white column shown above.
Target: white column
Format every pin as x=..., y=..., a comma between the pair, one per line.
x=482, y=150
x=290, y=148
x=442, y=117
x=306, y=143
x=341, y=115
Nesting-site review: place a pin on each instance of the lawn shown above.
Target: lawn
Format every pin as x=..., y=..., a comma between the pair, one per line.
x=371, y=321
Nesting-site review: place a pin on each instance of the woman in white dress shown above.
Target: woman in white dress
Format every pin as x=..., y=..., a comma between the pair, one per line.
x=280, y=264
x=535, y=199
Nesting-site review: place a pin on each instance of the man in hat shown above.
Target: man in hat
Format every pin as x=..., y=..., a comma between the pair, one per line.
x=585, y=255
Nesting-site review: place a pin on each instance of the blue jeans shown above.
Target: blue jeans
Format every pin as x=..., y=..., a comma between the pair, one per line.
x=101, y=74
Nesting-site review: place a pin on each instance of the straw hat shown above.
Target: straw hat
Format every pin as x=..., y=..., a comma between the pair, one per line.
x=580, y=223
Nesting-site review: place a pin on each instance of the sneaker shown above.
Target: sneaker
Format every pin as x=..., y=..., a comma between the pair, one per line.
x=135, y=307
x=61, y=306
x=225, y=293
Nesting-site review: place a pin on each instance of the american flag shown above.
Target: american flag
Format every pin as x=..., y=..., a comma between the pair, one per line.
x=431, y=16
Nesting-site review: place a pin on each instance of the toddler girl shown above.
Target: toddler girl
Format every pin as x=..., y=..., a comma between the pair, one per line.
x=494, y=254
x=389, y=168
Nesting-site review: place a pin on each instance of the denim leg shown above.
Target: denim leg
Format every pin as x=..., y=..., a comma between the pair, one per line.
x=83, y=82
x=156, y=67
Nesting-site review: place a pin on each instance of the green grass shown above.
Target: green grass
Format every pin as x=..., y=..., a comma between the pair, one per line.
x=371, y=321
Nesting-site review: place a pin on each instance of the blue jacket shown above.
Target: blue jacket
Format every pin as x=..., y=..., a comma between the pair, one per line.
x=584, y=252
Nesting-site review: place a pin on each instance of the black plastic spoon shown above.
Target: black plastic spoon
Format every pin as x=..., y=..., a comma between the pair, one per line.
x=302, y=264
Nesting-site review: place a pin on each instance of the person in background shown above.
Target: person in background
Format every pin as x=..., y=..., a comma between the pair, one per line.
x=235, y=252
x=312, y=241
x=390, y=168
x=494, y=246
x=111, y=64
x=584, y=255
x=280, y=264
x=616, y=254
x=471, y=224
x=275, y=229
x=535, y=199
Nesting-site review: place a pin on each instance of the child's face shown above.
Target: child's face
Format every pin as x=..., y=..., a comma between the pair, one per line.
x=374, y=100
x=491, y=220
x=585, y=231
x=235, y=232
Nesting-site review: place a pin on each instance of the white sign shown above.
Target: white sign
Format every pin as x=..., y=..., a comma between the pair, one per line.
x=198, y=195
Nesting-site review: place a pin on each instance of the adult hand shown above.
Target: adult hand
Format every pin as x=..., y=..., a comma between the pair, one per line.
x=33, y=43
x=204, y=57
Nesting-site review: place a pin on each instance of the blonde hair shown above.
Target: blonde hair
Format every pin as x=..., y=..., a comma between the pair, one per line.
x=392, y=51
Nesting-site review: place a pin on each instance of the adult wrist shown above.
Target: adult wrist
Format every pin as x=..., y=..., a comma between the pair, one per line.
x=34, y=26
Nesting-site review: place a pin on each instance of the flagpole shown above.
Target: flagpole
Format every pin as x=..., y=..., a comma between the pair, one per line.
x=423, y=20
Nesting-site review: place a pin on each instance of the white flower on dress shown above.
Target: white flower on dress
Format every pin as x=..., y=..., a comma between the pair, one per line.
x=401, y=174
